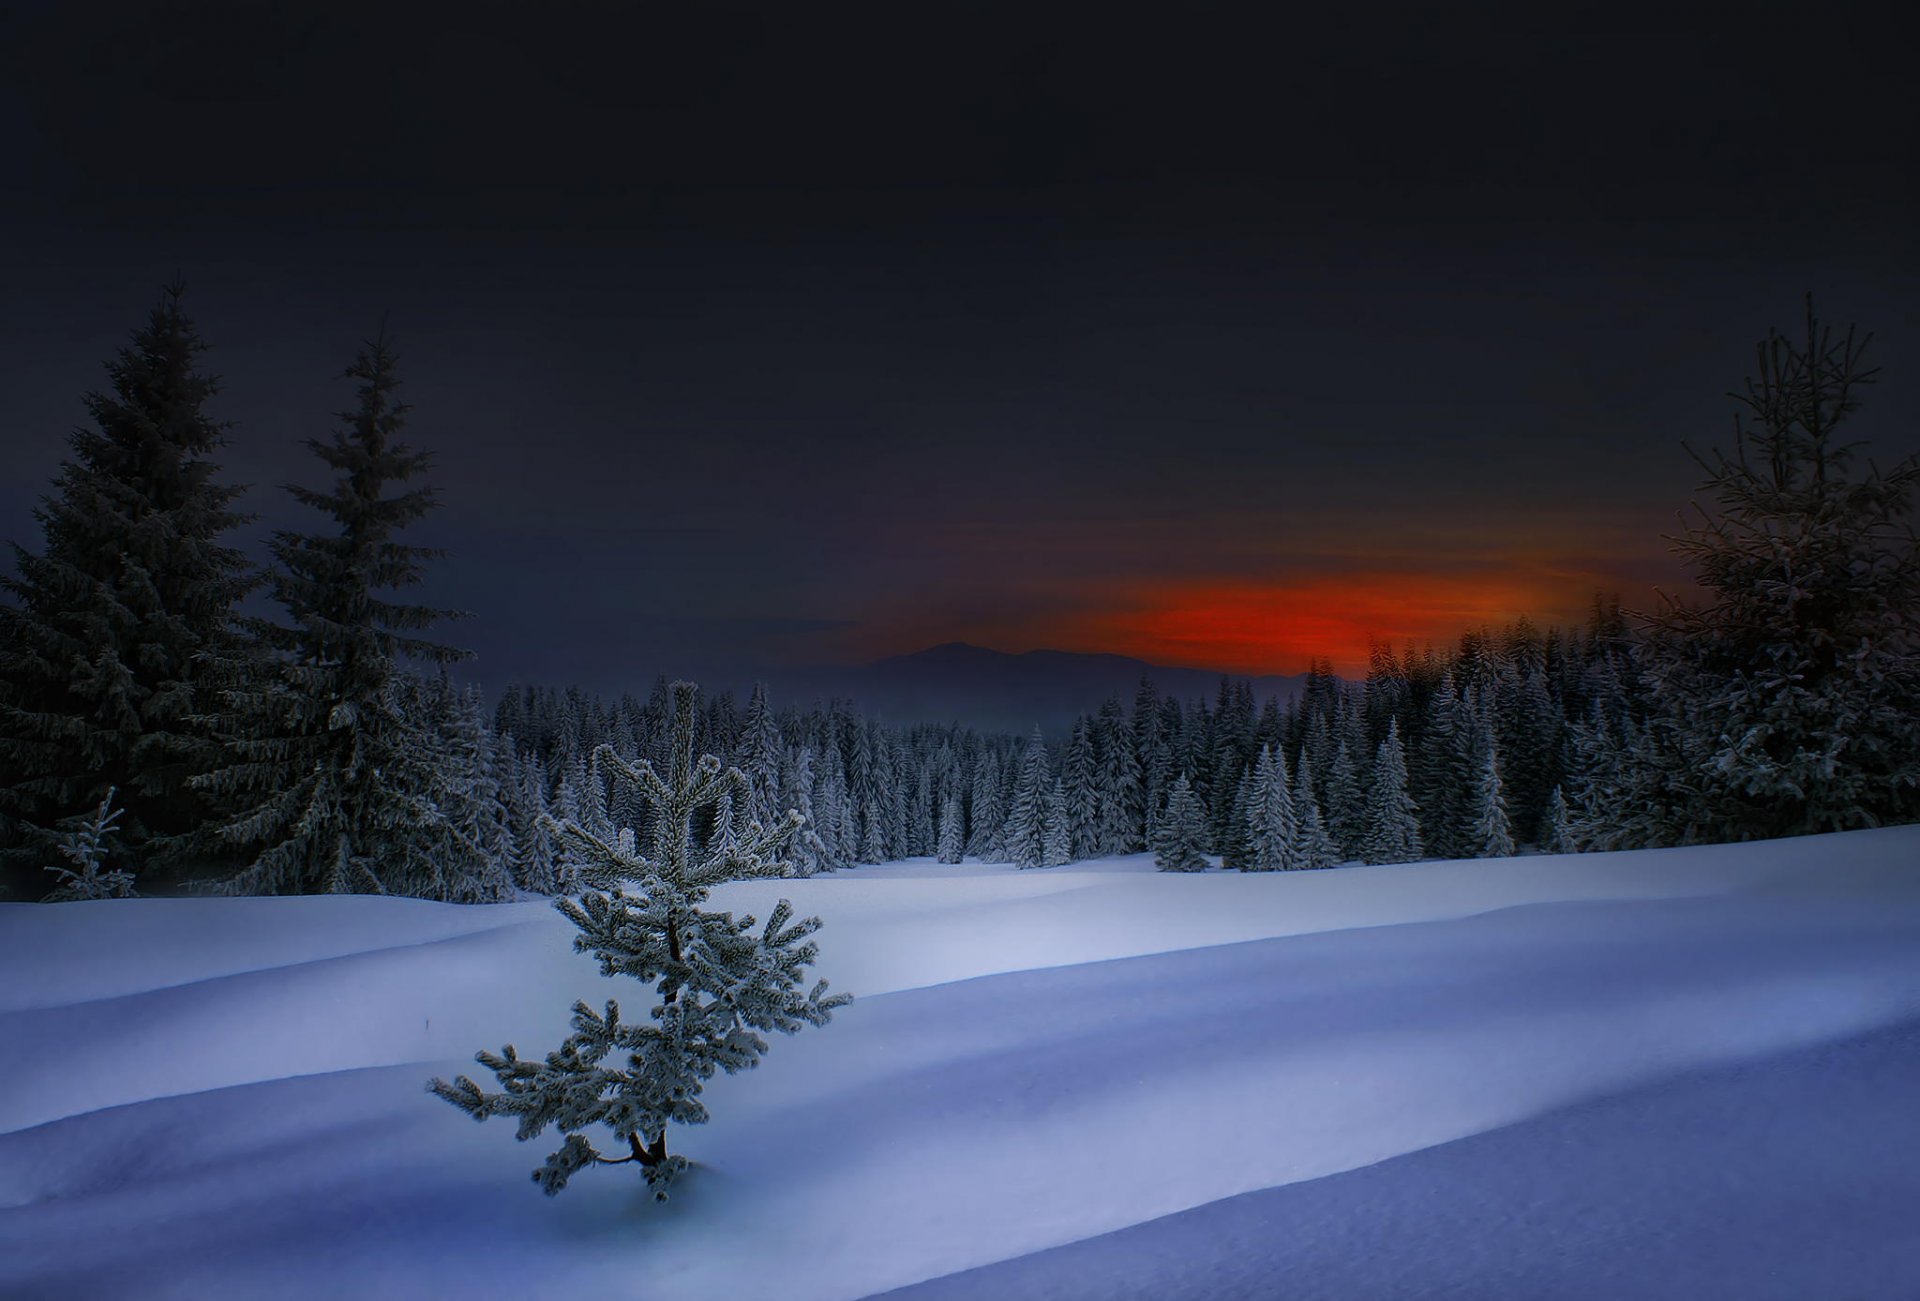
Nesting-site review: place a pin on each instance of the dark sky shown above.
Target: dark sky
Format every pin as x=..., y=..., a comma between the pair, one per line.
x=792, y=333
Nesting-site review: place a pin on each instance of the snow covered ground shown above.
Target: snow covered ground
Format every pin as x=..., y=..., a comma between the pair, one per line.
x=1681, y=1073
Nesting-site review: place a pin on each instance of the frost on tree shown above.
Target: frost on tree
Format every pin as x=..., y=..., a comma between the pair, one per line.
x=722, y=984
x=83, y=843
x=1025, y=838
x=1393, y=826
x=1272, y=830
x=1492, y=830
x=1181, y=832
x=952, y=831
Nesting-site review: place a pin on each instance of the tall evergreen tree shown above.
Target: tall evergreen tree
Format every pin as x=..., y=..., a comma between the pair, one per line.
x=1120, y=802
x=1556, y=835
x=335, y=780
x=985, y=836
x=830, y=812
x=1492, y=829
x=1234, y=842
x=104, y=652
x=1313, y=846
x=1026, y=835
x=1345, y=810
x=1272, y=830
x=761, y=750
x=1442, y=780
x=1080, y=778
x=807, y=853
x=1784, y=703
x=1057, y=840
x=1393, y=827
x=952, y=830
x=1182, y=829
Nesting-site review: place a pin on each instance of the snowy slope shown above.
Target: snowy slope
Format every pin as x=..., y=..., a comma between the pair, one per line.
x=1600, y=1075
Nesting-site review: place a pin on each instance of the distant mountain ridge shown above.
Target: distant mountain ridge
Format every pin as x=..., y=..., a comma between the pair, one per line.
x=1004, y=691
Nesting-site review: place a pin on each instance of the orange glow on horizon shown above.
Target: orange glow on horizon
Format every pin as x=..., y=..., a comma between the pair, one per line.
x=1280, y=627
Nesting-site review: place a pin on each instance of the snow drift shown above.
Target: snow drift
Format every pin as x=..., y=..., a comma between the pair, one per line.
x=1666, y=1073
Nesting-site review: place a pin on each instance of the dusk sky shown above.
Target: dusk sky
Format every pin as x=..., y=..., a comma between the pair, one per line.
x=797, y=334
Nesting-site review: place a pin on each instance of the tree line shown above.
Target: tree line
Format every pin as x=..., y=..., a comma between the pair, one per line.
x=144, y=719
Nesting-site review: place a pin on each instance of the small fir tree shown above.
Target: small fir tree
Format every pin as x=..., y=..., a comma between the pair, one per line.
x=722, y=985
x=83, y=842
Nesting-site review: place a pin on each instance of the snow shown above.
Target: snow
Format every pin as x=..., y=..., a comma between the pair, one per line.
x=1667, y=1073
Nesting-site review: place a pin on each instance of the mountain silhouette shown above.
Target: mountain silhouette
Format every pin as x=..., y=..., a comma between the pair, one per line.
x=1000, y=691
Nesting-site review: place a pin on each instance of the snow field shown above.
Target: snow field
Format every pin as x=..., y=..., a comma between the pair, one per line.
x=226, y=1097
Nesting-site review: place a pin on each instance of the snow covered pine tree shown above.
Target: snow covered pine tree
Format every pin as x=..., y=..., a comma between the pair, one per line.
x=1181, y=833
x=720, y=984
x=84, y=844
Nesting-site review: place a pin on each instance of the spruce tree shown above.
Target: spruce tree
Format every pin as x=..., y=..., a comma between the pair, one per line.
x=338, y=782
x=1556, y=834
x=986, y=834
x=807, y=852
x=1272, y=830
x=1057, y=841
x=830, y=811
x=1025, y=840
x=455, y=845
x=86, y=842
x=1233, y=842
x=1443, y=779
x=1784, y=702
x=1313, y=846
x=952, y=831
x=721, y=985
x=1393, y=827
x=1492, y=829
x=1346, y=804
x=1182, y=831
x=761, y=749
x=1080, y=777
x=1119, y=827
x=105, y=648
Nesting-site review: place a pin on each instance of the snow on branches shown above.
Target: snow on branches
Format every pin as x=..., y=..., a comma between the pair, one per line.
x=722, y=984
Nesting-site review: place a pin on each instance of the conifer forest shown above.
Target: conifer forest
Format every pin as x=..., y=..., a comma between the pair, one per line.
x=327, y=743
